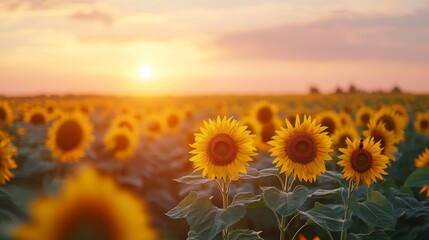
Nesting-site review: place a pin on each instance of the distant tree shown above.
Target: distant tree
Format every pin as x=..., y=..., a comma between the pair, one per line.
x=314, y=90
x=353, y=89
x=339, y=91
x=396, y=89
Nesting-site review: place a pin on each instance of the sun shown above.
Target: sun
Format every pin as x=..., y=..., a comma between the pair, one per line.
x=146, y=72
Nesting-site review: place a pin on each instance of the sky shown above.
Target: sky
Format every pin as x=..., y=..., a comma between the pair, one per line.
x=212, y=47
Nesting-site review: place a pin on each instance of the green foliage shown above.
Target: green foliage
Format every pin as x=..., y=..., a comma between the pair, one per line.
x=244, y=234
x=326, y=218
x=285, y=203
x=375, y=235
x=418, y=178
x=192, y=179
x=182, y=209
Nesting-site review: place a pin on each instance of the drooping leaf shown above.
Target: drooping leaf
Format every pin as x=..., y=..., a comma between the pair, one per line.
x=326, y=192
x=207, y=220
x=375, y=235
x=285, y=203
x=192, y=179
x=326, y=218
x=253, y=173
x=244, y=234
x=182, y=209
x=375, y=212
x=418, y=178
x=248, y=200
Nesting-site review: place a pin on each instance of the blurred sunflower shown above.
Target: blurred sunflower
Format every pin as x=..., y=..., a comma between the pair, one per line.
x=122, y=142
x=420, y=162
x=345, y=119
x=302, y=149
x=401, y=111
x=392, y=122
x=223, y=149
x=6, y=161
x=6, y=114
x=421, y=125
x=265, y=133
x=385, y=137
x=36, y=116
x=69, y=137
x=88, y=207
x=126, y=121
x=264, y=112
x=330, y=120
x=172, y=120
x=363, y=115
x=363, y=162
x=340, y=136
x=251, y=124
x=153, y=127
x=303, y=237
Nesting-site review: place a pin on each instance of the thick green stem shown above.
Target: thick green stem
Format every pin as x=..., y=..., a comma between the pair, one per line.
x=346, y=210
x=283, y=219
x=299, y=230
x=225, y=192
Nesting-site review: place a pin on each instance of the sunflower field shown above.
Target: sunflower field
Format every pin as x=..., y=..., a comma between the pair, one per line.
x=341, y=166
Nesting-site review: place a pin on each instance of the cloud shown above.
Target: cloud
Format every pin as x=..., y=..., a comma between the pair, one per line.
x=343, y=36
x=94, y=16
x=38, y=4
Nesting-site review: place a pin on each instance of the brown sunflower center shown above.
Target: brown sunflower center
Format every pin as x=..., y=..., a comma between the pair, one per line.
x=125, y=124
x=121, y=142
x=172, y=121
x=222, y=150
x=378, y=136
x=342, y=140
x=389, y=122
x=267, y=132
x=2, y=114
x=88, y=224
x=50, y=109
x=301, y=148
x=424, y=124
x=329, y=123
x=264, y=115
x=37, y=119
x=365, y=118
x=154, y=127
x=361, y=160
x=69, y=135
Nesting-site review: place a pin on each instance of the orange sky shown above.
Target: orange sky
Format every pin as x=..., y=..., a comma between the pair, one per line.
x=199, y=47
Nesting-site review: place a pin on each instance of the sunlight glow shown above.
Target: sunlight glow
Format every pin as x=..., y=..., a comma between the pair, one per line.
x=146, y=72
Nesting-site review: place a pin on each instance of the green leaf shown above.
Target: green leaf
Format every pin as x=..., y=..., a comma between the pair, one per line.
x=192, y=179
x=285, y=203
x=253, y=173
x=248, y=200
x=326, y=192
x=9, y=211
x=244, y=234
x=207, y=220
x=375, y=235
x=418, y=178
x=375, y=212
x=326, y=218
x=182, y=209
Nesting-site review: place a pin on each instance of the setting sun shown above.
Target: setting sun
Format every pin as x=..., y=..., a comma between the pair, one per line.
x=146, y=72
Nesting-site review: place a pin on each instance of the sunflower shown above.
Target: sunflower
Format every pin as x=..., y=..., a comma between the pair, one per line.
x=363, y=161
x=36, y=116
x=6, y=114
x=301, y=149
x=330, y=120
x=340, y=136
x=153, y=127
x=69, y=136
x=88, y=207
x=6, y=161
x=122, y=142
x=265, y=133
x=223, y=149
x=385, y=137
x=264, y=112
x=420, y=162
x=251, y=124
x=392, y=122
x=345, y=119
x=401, y=111
x=363, y=115
x=172, y=120
x=126, y=121
x=421, y=125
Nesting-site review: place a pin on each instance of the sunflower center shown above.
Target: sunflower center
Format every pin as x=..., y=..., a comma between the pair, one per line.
x=364, y=118
x=2, y=114
x=330, y=124
x=301, y=148
x=389, y=122
x=267, y=132
x=342, y=141
x=424, y=124
x=50, y=109
x=37, y=119
x=154, y=127
x=222, y=150
x=361, y=160
x=379, y=137
x=69, y=135
x=125, y=124
x=172, y=121
x=121, y=142
x=264, y=115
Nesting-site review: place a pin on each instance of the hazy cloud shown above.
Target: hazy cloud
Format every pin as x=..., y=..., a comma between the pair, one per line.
x=343, y=36
x=38, y=4
x=94, y=16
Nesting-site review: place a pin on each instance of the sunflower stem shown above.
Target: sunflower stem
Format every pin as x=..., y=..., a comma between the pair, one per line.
x=283, y=219
x=299, y=230
x=346, y=210
x=225, y=192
